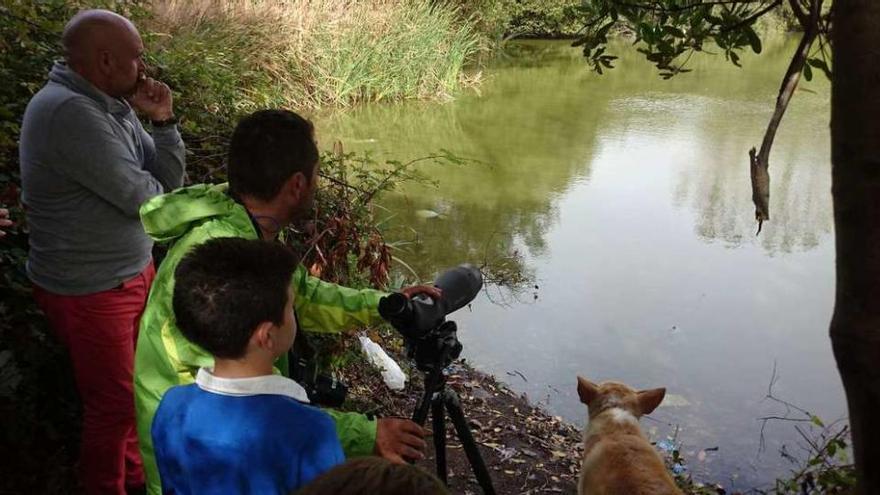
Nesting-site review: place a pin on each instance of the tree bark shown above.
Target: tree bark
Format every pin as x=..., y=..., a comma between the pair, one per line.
x=855, y=150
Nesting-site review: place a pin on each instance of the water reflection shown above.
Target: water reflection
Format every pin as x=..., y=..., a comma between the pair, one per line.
x=714, y=179
x=536, y=120
x=529, y=155
x=629, y=197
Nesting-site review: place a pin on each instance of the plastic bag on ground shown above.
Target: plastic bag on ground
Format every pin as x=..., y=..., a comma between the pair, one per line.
x=393, y=376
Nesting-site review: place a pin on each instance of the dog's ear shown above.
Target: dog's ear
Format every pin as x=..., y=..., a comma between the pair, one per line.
x=650, y=399
x=587, y=390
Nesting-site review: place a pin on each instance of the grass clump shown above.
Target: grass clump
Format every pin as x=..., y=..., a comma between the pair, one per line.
x=305, y=54
x=228, y=58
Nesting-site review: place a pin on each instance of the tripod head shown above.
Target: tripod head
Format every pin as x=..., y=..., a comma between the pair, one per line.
x=437, y=350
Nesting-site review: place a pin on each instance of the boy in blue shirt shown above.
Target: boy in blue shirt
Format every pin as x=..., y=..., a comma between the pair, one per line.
x=240, y=428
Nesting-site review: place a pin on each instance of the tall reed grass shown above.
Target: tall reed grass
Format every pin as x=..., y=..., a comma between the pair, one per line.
x=236, y=55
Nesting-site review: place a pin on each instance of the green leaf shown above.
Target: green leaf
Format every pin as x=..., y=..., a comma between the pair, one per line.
x=815, y=419
x=821, y=65
x=600, y=34
x=734, y=58
x=673, y=31
x=754, y=40
x=808, y=75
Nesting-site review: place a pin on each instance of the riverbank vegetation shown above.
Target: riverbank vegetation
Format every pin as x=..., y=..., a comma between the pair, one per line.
x=223, y=60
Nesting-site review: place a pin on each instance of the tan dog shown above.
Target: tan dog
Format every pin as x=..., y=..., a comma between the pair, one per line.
x=618, y=458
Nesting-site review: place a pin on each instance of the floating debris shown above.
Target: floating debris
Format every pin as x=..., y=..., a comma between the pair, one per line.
x=674, y=400
x=428, y=214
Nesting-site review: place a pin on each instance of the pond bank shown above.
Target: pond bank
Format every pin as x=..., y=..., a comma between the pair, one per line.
x=526, y=449
x=529, y=451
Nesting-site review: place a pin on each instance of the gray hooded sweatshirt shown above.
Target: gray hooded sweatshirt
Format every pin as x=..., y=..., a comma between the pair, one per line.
x=87, y=164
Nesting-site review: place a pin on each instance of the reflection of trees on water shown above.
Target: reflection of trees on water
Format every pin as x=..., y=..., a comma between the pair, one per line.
x=476, y=235
x=531, y=140
x=800, y=205
x=713, y=116
x=535, y=123
x=719, y=191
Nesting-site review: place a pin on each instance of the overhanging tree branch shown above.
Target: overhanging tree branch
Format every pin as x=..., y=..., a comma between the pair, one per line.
x=667, y=29
x=802, y=16
x=760, y=162
x=657, y=7
x=752, y=18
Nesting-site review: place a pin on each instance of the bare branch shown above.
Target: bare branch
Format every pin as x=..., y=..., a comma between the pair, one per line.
x=656, y=7
x=799, y=13
x=754, y=17
x=7, y=13
x=784, y=418
x=340, y=183
x=760, y=162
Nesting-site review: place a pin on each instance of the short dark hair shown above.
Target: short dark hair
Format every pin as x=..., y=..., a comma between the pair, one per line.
x=371, y=475
x=268, y=147
x=226, y=287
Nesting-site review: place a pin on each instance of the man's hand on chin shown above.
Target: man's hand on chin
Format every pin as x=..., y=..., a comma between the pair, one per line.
x=153, y=99
x=400, y=440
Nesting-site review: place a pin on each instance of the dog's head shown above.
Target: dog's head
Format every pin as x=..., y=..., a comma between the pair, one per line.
x=607, y=395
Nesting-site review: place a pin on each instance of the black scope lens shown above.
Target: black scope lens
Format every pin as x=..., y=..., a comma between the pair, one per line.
x=394, y=306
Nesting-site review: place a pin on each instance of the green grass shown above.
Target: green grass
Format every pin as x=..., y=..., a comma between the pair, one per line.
x=227, y=58
x=307, y=54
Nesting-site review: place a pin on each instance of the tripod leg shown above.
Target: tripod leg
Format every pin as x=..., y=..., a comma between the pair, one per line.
x=453, y=406
x=420, y=415
x=438, y=416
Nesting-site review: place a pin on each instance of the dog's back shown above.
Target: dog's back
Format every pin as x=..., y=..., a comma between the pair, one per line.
x=618, y=459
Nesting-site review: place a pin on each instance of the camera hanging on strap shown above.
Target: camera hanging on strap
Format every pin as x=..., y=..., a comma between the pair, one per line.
x=322, y=389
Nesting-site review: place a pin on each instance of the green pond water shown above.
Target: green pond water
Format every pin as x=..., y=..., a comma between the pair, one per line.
x=628, y=199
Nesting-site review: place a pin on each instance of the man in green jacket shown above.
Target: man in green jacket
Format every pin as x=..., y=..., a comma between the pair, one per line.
x=273, y=173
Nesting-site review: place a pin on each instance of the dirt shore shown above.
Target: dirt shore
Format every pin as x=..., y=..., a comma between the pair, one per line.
x=526, y=450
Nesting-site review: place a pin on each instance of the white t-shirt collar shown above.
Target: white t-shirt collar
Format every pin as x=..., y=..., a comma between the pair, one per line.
x=243, y=387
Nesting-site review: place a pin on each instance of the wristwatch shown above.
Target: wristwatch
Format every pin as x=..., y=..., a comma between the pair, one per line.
x=164, y=123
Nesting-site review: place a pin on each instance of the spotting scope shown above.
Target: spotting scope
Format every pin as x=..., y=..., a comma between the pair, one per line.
x=415, y=318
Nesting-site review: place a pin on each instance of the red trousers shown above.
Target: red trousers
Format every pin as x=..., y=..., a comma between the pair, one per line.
x=100, y=331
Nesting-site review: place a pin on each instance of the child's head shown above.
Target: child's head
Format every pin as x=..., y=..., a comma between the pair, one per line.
x=371, y=475
x=233, y=298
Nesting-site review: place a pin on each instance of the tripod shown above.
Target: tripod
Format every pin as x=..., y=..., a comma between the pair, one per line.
x=433, y=356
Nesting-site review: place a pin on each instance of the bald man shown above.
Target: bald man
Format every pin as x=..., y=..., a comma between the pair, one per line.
x=87, y=164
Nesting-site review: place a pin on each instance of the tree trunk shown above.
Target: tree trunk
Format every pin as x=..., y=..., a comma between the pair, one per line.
x=855, y=150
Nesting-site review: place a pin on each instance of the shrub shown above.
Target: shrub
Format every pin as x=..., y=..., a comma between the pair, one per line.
x=525, y=18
